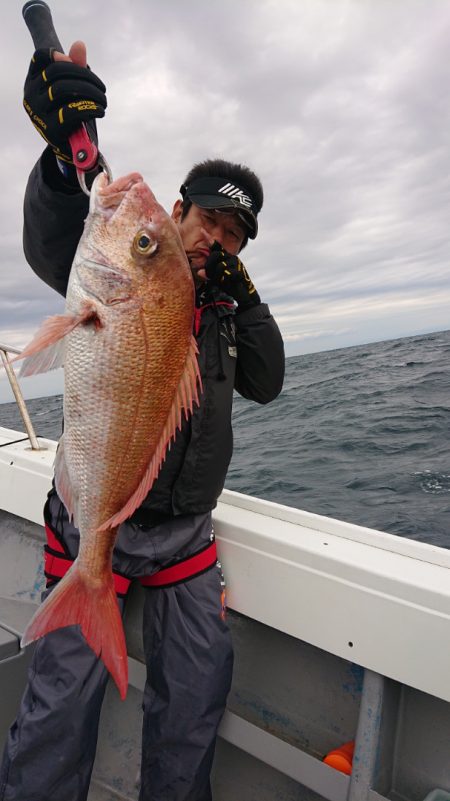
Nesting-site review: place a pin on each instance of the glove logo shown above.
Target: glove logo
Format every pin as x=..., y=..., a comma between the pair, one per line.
x=236, y=194
x=83, y=105
x=34, y=116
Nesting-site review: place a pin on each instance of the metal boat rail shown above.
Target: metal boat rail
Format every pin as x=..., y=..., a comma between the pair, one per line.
x=14, y=384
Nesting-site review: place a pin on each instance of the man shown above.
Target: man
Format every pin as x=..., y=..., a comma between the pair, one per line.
x=168, y=543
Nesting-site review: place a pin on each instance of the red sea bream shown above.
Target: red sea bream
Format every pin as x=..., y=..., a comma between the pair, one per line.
x=130, y=365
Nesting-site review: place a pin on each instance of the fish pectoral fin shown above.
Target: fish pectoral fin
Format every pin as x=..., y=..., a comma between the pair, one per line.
x=46, y=350
x=45, y=360
x=63, y=484
x=92, y=606
x=185, y=397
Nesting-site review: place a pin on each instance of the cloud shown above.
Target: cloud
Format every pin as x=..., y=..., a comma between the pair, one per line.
x=340, y=107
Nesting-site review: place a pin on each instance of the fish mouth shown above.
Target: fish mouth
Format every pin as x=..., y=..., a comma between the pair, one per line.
x=109, y=286
x=115, y=200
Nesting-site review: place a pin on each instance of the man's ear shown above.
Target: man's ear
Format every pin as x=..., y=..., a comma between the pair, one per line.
x=177, y=211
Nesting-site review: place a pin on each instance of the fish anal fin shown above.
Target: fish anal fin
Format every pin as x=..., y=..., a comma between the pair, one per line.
x=93, y=607
x=63, y=483
x=47, y=340
x=185, y=397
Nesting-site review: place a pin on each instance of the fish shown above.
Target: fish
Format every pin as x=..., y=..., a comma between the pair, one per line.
x=130, y=376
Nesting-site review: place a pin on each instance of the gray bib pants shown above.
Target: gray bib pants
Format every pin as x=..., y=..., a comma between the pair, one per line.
x=51, y=746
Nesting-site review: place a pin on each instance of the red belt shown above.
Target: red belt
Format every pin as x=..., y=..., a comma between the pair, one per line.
x=189, y=567
x=57, y=563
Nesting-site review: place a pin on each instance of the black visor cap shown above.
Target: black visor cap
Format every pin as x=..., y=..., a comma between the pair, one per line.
x=220, y=193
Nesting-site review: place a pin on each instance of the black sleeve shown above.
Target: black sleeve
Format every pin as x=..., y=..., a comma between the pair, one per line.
x=260, y=355
x=54, y=214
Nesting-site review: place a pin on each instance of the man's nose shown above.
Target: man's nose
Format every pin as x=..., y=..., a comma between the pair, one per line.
x=215, y=229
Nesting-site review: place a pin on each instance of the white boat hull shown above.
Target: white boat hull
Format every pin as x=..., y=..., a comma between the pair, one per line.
x=340, y=633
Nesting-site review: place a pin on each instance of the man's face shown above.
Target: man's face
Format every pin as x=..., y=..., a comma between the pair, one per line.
x=201, y=227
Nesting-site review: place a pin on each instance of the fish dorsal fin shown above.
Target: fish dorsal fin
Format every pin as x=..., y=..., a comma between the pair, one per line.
x=185, y=397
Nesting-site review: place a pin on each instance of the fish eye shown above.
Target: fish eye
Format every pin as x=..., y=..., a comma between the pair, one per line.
x=143, y=244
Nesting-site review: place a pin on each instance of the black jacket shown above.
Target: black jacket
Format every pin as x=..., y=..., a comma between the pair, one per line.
x=242, y=351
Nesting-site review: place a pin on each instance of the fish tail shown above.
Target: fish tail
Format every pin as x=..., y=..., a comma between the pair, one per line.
x=76, y=600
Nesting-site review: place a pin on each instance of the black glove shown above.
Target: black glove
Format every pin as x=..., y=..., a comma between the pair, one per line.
x=58, y=97
x=228, y=272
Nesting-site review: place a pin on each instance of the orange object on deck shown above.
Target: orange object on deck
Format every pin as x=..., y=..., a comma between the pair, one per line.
x=341, y=758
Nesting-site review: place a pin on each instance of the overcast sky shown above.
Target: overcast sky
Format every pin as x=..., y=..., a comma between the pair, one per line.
x=341, y=107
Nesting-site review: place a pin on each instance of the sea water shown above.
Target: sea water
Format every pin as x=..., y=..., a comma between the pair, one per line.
x=360, y=434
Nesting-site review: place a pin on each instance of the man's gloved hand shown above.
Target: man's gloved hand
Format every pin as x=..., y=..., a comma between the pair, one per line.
x=228, y=272
x=59, y=96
